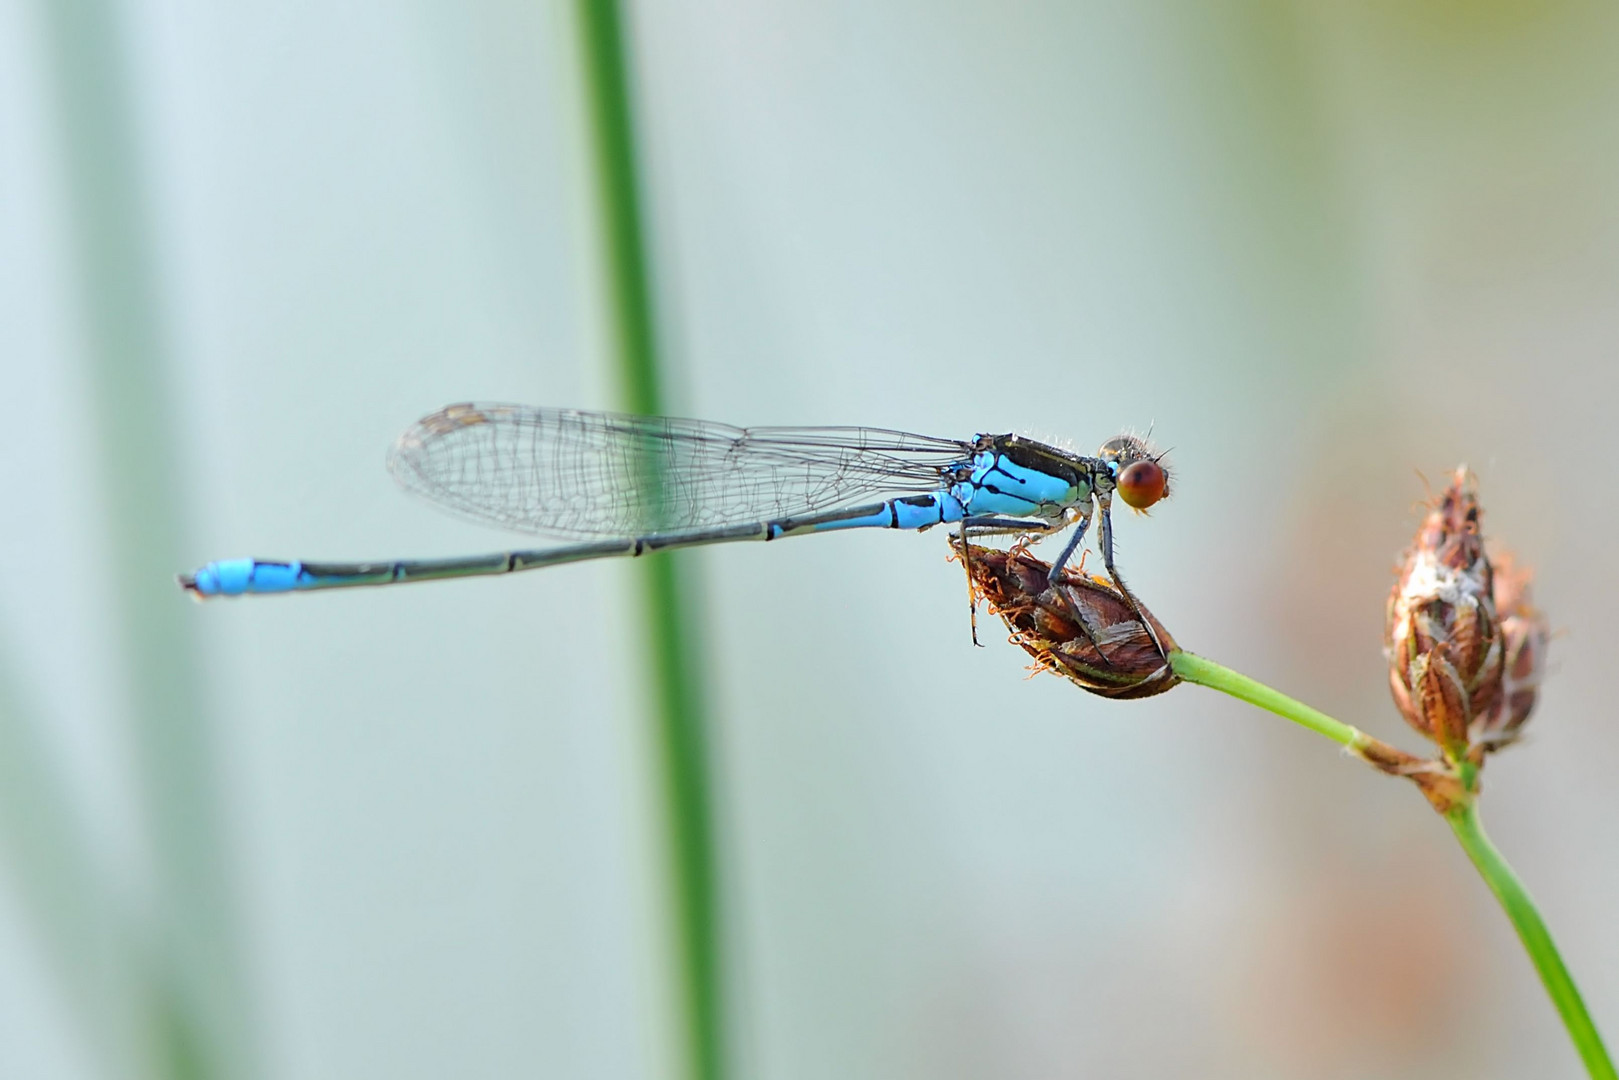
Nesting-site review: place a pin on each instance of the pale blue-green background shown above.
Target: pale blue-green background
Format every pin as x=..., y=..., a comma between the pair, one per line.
x=1320, y=247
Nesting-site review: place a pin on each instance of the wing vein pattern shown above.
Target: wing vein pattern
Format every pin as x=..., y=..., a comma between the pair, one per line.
x=575, y=474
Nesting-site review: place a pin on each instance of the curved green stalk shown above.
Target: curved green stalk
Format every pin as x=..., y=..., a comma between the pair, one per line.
x=673, y=630
x=1195, y=669
x=1453, y=793
x=1537, y=940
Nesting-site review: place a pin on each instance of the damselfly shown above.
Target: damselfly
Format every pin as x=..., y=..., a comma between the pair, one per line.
x=631, y=485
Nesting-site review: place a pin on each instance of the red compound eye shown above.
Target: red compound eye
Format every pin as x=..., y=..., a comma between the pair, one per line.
x=1142, y=483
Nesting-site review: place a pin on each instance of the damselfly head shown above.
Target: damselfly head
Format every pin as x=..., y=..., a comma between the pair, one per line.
x=1141, y=475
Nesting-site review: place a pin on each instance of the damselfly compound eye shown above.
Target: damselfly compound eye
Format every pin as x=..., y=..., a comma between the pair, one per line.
x=1142, y=483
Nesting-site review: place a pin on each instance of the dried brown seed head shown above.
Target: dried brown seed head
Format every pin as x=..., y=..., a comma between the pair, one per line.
x=1046, y=623
x=1443, y=637
x=1524, y=637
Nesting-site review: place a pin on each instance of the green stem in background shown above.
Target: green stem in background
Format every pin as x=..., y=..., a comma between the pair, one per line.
x=1461, y=810
x=64, y=893
x=1537, y=940
x=187, y=950
x=673, y=632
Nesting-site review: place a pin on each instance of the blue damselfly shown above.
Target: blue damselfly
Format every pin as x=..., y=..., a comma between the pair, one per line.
x=631, y=485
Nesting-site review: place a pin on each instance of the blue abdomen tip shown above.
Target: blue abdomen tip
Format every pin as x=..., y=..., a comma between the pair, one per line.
x=234, y=577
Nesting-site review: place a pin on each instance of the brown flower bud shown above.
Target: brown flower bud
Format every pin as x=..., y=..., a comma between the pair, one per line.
x=1442, y=635
x=1524, y=636
x=1046, y=623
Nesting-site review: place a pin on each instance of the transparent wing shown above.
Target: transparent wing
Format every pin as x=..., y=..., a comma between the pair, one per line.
x=576, y=474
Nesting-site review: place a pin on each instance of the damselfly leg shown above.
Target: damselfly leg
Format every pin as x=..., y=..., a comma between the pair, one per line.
x=1105, y=501
x=992, y=526
x=1054, y=577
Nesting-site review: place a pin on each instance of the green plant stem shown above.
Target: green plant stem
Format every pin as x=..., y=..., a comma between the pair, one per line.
x=1195, y=669
x=1537, y=940
x=1462, y=813
x=674, y=638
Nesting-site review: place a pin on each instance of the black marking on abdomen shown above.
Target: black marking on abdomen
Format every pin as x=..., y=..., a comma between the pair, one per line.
x=930, y=501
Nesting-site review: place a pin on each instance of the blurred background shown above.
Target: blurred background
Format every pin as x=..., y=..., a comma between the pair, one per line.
x=1326, y=250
